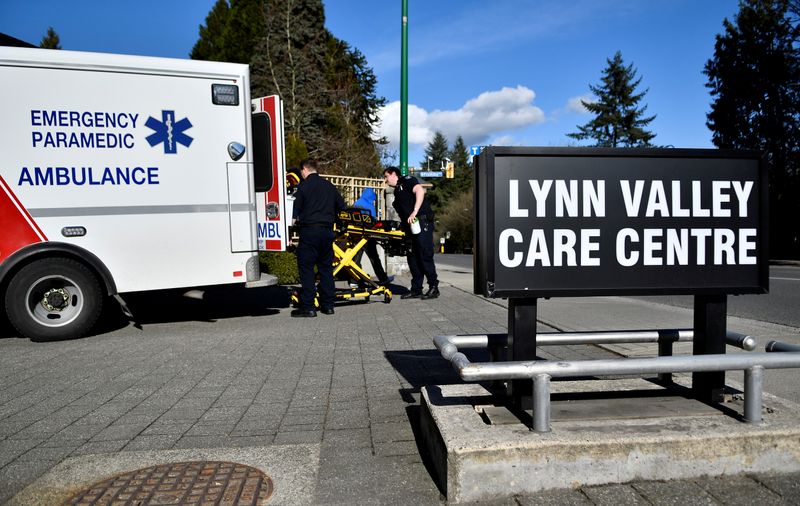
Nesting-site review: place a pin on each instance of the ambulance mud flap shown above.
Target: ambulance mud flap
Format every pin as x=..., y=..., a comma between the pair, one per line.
x=124, y=307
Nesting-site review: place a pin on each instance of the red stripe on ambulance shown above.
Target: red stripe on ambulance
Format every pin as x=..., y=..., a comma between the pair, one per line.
x=19, y=229
x=273, y=195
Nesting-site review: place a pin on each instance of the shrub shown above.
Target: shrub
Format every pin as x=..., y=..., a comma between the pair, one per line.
x=282, y=264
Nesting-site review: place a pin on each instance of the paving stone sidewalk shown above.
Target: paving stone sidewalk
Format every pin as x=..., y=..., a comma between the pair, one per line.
x=235, y=371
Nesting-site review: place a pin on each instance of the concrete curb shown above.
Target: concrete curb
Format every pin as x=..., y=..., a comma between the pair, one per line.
x=784, y=262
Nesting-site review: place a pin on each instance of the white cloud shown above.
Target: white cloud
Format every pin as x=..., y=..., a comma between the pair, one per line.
x=476, y=121
x=503, y=140
x=575, y=104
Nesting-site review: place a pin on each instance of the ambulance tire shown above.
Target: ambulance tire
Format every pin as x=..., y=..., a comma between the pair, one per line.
x=54, y=298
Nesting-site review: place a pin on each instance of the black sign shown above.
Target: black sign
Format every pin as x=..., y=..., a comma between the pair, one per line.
x=592, y=221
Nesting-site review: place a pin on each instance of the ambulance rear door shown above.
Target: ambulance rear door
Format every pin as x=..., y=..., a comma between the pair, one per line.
x=270, y=173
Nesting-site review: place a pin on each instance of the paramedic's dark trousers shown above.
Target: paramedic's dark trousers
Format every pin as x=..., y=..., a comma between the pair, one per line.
x=420, y=259
x=316, y=248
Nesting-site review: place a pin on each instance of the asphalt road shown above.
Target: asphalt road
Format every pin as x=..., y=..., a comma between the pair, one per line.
x=781, y=305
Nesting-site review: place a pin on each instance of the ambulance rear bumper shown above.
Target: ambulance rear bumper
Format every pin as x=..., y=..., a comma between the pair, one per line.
x=264, y=280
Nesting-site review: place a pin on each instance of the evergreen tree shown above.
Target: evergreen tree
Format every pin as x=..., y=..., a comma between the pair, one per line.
x=436, y=154
x=352, y=111
x=244, y=28
x=328, y=89
x=231, y=32
x=210, y=46
x=51, y=40
x=462, y=177
x=352, y=84
x=754, y=78
x=618, y=120
x=445, y=190
x=289, y=61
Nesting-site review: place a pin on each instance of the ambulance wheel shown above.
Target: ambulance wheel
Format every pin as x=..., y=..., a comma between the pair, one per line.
x=54, y=298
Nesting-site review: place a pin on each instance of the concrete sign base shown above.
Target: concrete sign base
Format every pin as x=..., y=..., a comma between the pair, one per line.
x=479, y=453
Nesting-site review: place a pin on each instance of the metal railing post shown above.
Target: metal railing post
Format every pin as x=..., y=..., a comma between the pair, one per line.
x=541, y=403
x=753, y=392
x=665, y=350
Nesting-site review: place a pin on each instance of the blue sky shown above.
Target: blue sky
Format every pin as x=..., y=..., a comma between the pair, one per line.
x=502, y=72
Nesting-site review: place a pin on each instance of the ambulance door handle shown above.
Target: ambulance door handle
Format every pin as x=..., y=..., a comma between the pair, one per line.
x=235, y=151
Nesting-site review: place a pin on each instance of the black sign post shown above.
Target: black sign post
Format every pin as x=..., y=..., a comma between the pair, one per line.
x=521, y=344
x=589, y=221
x=710, y=313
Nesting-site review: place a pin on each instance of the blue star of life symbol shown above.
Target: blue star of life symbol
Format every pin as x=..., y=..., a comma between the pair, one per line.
x=169, y=132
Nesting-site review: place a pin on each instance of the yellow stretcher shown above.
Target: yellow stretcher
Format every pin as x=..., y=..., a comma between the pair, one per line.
x=353, y=231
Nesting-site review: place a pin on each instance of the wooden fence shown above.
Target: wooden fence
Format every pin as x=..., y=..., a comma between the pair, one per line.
x=351, y=188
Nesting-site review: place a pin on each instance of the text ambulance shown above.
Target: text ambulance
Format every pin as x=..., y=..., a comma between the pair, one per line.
x=125, y=173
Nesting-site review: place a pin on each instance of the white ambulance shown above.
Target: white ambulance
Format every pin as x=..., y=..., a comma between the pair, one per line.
x=125, y=173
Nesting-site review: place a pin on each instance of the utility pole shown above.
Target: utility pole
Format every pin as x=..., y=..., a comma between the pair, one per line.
x=404, y=93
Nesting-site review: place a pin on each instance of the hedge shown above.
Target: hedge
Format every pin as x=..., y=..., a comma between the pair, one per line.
x=282, y=264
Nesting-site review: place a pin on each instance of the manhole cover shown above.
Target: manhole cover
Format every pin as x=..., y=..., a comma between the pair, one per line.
x=182, y=483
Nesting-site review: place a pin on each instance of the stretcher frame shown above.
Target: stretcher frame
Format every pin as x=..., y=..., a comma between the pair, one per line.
x=349, y=242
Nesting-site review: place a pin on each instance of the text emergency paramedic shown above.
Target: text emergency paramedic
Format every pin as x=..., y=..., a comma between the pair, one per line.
x=644, y=246
x=69, y=129
x=83, y=120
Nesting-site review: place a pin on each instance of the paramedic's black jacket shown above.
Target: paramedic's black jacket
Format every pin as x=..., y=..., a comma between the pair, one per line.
x=405, y=199
x=317, y=202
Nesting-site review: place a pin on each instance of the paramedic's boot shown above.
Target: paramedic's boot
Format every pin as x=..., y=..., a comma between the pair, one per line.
x=432, y=293
x=413, y=294
x=386, y=282
x=303, y=313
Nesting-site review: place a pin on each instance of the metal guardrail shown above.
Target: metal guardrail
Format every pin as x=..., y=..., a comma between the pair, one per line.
x=742, y=341
x=780, y=346
x=664, y=337
x=541, y=371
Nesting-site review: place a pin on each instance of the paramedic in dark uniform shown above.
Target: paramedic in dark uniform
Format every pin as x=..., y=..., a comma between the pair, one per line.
x=410, y=204
x=317, y=203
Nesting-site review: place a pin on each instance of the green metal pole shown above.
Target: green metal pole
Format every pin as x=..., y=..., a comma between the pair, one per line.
x=404, y=93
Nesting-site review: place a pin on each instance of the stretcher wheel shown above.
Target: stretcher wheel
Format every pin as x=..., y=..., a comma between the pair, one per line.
x=387, y=298
x=295, y=298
